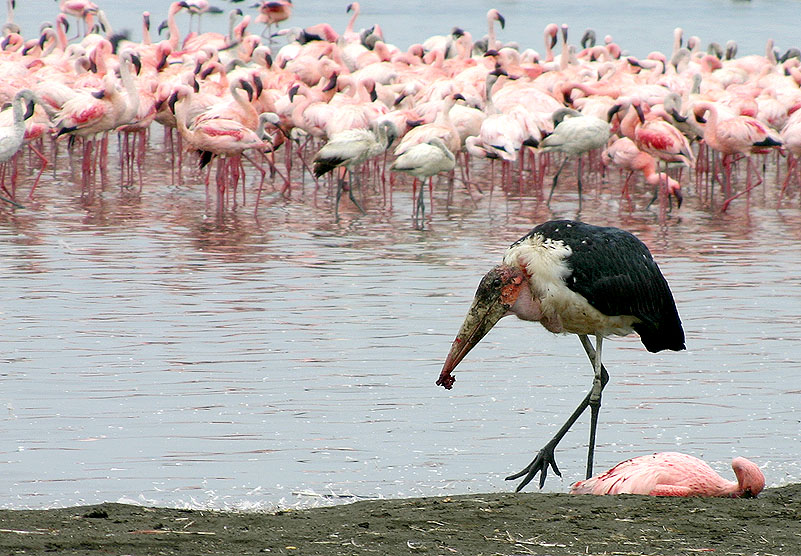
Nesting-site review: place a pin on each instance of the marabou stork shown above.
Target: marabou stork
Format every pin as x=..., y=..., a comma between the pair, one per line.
x=578, y=278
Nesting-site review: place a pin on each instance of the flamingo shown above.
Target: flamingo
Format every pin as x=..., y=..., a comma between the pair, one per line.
x=494, y=15
x=83, y=10
x=273, y=12
x=674, y=474
x=741, y=135
x=659, y=138
x=425, y=160
x=574, y=134
x=621, y=152
x=92, y=114
x=646, y=163
x=582, y=279
x=198, y=8
x=225, y=138
x=441, y=127
x=174, y=34
x=349, y=149
x=12, y=136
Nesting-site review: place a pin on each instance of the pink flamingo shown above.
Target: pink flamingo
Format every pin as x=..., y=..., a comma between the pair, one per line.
x=621, y=152
x=92, y=114
x=198, y=8
x=273, y=12
x=84, y=10
x=740, y=135
x=228, y=139
x=494, y=15
x=647, y=165
x=791, y=137
x=674, y=474
x=174, y=34
x=659, y=138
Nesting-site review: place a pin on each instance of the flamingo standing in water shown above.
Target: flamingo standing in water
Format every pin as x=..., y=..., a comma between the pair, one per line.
x=348, y=150
x=674, y=474
x=225, y=138
x=741, y=135
x=83, y=10
x=12, y=137
x=92, y=114
x=574, y=134
x=425, y=160
x=273, y=12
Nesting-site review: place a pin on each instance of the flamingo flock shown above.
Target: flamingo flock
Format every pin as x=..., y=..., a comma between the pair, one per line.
x=331, y=103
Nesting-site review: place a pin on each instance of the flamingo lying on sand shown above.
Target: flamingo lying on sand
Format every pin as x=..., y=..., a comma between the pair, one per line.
x=674, y=474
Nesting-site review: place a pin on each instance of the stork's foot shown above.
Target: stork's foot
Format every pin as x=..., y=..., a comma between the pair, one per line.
x=544, y=458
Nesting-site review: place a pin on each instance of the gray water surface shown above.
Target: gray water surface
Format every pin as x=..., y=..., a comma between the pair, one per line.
x=154, y=351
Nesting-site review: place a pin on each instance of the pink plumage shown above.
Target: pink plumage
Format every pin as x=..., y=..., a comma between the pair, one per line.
x=674, y=474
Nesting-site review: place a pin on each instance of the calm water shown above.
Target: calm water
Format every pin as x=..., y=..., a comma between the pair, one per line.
x=639, y=27
x=155, y=352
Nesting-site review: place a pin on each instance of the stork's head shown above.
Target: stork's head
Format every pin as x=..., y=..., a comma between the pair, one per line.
x=495, y=296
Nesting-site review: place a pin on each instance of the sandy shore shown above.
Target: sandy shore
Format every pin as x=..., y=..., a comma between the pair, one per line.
x=488, y=524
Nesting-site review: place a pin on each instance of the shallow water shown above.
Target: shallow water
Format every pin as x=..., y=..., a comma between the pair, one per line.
x=155, y=351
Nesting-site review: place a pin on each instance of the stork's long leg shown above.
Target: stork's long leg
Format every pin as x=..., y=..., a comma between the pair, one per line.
x=545, y=457
x=598, y=384
x=578, y=179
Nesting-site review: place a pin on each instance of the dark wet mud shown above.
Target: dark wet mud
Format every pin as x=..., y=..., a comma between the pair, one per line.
x=480, y=524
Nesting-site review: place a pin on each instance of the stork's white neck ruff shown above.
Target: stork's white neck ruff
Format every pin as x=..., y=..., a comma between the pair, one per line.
x=545, y=261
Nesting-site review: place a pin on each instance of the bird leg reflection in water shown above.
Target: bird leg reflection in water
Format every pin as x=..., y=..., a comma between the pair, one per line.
x=577, y=278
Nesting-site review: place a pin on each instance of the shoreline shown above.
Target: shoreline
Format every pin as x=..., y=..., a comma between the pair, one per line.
x=491, y=523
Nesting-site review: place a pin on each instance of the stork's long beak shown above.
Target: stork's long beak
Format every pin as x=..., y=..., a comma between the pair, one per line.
x=494, y=298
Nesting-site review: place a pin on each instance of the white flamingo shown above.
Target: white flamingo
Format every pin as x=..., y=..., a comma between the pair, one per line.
x=349, y=149
x=12, y=137
x=425, y=160
x=574, y=134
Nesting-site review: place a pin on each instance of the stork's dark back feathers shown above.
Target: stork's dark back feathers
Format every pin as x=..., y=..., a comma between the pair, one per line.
x=615, y=272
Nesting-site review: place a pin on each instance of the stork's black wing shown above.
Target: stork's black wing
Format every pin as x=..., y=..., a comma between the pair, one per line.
x=615, y=272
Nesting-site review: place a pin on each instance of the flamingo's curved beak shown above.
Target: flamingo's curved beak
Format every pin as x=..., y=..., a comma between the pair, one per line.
x=495, y=296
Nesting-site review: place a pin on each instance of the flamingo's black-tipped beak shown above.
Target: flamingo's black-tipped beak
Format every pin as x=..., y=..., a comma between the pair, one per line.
x=171, y=101
x=679, y=198
x=29, y=106
x=332, y=83
x=162, y=63
x=248, y=89
x=495, y=296
x=502, y=21
x=640, y=113
x=137, y=62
